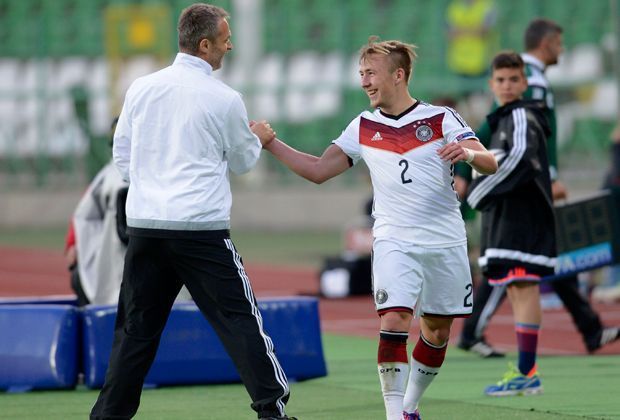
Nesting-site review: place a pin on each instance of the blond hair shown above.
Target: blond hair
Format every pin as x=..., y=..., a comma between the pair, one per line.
x=401, y=55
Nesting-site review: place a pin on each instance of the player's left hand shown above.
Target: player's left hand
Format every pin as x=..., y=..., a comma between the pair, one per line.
x=453, y=152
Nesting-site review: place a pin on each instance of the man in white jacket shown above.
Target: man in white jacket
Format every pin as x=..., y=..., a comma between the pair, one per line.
x=179, y=133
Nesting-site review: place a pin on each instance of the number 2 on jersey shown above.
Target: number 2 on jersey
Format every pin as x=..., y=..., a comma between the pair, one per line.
x=405, y=166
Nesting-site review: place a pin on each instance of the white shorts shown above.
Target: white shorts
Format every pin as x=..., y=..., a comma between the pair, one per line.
x=427, y=281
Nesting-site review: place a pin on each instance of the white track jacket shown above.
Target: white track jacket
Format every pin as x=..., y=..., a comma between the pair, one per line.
x=178, y=134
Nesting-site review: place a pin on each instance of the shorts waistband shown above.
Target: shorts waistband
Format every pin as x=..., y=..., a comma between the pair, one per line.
x=179, y=234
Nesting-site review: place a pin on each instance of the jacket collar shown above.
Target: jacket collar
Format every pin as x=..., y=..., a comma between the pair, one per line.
x=193, y=61
x=533, y=61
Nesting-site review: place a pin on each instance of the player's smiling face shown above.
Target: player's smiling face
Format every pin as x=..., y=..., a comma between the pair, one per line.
x=378, y=80
x=508, y=84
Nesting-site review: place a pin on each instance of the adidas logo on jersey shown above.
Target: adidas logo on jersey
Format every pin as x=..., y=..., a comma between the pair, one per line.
x=376, y=137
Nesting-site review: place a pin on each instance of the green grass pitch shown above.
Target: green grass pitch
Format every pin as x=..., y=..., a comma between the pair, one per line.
x=575, y=387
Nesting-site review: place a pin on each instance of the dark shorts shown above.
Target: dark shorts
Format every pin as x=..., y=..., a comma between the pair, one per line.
x=500, y=276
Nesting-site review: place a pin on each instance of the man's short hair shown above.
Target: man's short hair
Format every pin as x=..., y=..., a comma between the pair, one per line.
x=197, y=22
x=537, y=30
x=401, y=55
x=507, y=60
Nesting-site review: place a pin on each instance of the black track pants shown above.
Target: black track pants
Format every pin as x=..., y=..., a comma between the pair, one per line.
x=155, y=270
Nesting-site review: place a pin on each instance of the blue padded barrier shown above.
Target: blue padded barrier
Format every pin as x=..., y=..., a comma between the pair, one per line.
x=191, y=353
x=294, y=326
x=41, y=300
x=38, y=347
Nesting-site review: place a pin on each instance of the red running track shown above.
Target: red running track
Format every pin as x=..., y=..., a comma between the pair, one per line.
x=35, y=272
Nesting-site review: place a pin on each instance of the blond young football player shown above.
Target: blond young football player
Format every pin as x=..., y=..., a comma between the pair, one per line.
x=420, y=260
x=518, y=237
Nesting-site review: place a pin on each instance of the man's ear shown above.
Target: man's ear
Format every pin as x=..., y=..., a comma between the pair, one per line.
x=399, y=75
x=204, y=45
x=545, y=42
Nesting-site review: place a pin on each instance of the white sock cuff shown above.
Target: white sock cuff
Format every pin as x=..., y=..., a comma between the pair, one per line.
x=431, y=344
x=395, y=334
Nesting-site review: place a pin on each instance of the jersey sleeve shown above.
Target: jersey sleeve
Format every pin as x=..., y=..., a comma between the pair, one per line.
x=349, y=140
x=455, y=128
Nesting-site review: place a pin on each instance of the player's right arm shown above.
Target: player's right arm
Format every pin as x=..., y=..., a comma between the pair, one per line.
x=315, y=169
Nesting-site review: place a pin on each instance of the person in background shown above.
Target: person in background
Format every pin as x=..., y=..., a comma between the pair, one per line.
x=472, y=39
x=96, y=241
x=420, y=264
x=70, y=254
x=179, y=134
x=543, y=45
x=350, y=273
x=518, y=244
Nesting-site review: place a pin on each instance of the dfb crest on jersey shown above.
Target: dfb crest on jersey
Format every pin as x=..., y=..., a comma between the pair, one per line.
x=424, y=133
x=381, y=296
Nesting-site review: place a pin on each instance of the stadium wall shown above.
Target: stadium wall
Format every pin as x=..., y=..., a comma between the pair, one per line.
x=287, y=208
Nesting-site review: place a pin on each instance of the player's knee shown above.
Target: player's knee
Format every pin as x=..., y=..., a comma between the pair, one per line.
x=396, y=321
x=438, y=337
x=437, y=330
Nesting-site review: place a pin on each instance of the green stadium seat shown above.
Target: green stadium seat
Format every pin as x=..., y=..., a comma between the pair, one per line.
x=513, y=18
x=121, y=2
x=24, y=24
x=270, y=80
x=354, y=102
x=59, y=29
x=273, y=25
x=593, y=21
x=89, y=20
x=402, y=21
x=590, y=137
x=5, y=27
x=329, y=37
x=357, y=33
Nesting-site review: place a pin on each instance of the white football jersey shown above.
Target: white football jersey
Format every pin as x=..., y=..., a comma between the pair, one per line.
x=414, y=196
